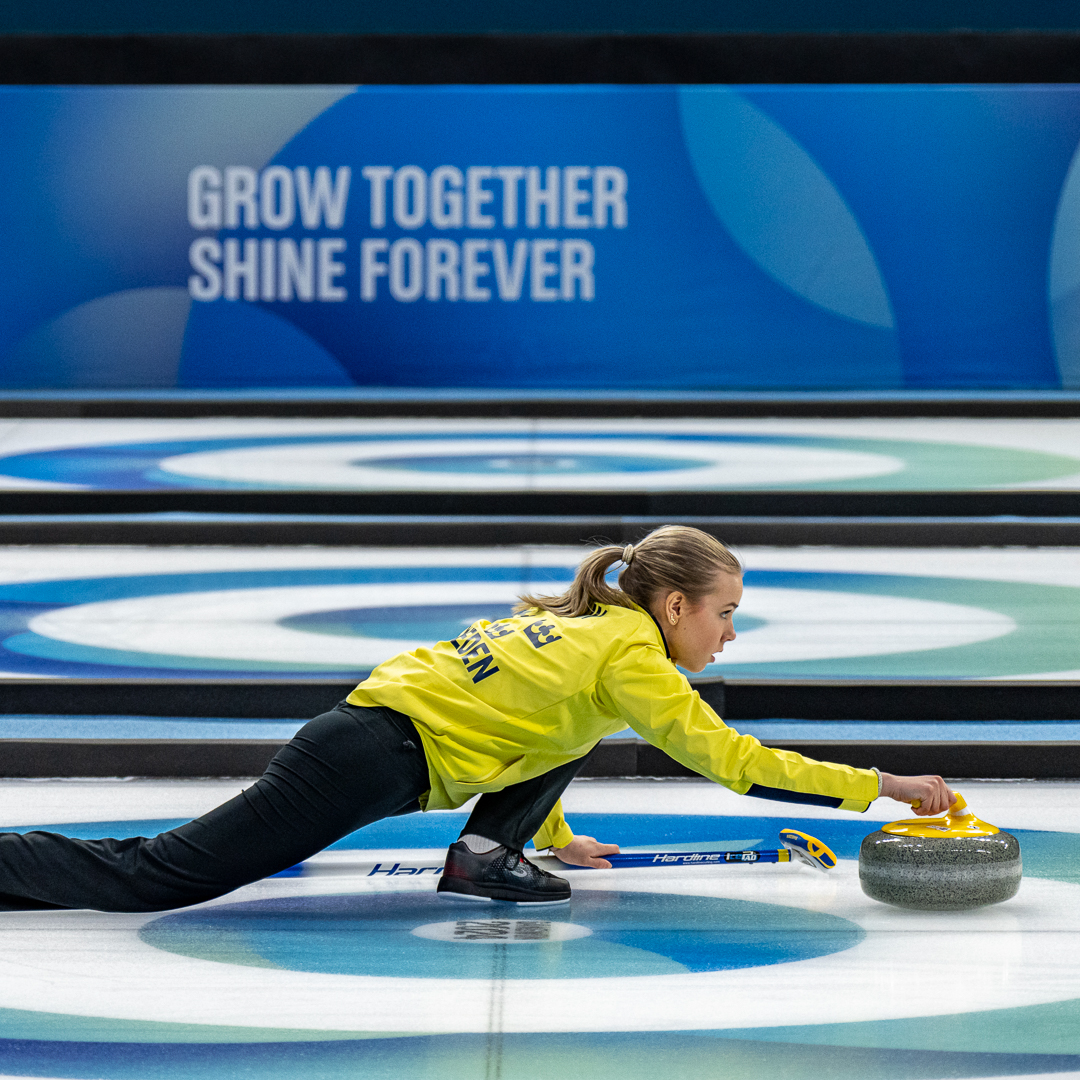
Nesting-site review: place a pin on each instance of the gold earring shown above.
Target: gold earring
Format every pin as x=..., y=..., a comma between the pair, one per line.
x=673, y=620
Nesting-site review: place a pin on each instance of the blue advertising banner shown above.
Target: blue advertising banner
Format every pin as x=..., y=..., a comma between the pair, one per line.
x=653, y=238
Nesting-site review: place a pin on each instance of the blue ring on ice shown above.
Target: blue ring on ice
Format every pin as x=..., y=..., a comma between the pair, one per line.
x=136, y=466
x=1034, y=646
x=631, y=934
x=133, y=466
x=26, y=652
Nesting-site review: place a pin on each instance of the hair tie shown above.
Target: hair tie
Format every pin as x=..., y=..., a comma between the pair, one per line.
x=627, y=553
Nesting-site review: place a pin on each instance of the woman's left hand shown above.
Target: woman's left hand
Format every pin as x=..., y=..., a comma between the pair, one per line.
x=587, y=851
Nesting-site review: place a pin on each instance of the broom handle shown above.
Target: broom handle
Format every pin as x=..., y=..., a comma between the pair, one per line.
x=696, y=858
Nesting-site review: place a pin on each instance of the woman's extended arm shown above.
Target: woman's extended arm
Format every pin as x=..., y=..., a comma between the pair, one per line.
x=645, y=690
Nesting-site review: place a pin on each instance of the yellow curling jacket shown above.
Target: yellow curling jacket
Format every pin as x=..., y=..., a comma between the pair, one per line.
x=510, y=700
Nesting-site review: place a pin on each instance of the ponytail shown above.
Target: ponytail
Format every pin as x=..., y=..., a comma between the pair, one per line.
x=671, y=558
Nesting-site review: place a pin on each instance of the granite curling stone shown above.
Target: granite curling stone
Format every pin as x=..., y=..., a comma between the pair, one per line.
x=949, y=863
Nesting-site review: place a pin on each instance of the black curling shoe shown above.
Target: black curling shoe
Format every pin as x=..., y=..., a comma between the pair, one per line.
x=500, y=874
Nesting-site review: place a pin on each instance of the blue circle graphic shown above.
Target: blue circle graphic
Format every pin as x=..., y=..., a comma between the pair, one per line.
x=630, y=934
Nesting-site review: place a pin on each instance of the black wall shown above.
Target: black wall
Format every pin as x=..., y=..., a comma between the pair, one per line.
x=953, y=57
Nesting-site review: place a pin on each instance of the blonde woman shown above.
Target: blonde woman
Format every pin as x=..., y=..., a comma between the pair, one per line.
x=508, y=710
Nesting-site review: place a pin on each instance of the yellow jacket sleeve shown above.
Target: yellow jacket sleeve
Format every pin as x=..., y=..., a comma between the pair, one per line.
x=657, y=701
x=554, y=832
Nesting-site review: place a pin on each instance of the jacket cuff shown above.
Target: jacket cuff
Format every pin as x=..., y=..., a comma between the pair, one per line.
x=547, y=837
x=857, y=805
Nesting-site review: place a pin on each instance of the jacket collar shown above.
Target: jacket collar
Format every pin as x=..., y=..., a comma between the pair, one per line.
x=656, y=623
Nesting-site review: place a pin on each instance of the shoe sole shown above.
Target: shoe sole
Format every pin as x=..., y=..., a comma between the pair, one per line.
x=456, y=894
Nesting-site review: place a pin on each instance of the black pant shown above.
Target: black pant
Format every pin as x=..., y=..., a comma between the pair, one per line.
x=343, y=770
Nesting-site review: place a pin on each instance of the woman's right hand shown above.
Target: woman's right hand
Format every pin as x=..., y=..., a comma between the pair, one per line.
x=586, y=851
x=933, y=793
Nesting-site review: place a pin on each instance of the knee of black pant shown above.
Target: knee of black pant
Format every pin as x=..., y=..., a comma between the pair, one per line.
x=514, y=815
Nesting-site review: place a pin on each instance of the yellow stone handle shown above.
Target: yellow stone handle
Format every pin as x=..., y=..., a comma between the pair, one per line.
x=960, y=821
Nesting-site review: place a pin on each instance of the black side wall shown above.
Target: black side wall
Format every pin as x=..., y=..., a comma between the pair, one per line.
x=953, y=57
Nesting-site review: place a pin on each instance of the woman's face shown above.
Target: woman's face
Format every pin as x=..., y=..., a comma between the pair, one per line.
x=696, y=632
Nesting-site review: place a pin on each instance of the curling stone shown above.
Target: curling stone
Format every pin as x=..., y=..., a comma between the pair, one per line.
x=940, y=864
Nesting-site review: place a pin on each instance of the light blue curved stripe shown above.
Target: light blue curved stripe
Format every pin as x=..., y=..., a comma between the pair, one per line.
x=1065, y=244
x=780, y=207
x=71, y=591
x=1064, y=278
x=121, y=338
x=32, y=726
x=46, y=648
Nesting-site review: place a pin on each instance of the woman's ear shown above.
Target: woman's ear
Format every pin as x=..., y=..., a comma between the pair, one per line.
x=675, y=606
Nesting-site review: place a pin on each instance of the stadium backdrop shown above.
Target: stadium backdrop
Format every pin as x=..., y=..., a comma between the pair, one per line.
x=532, y=237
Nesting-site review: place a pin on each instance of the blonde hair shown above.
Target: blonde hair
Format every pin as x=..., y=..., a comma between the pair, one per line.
x=673, y=558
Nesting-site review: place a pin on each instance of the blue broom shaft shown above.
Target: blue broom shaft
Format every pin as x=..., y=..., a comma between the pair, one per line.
x=696, y=858
x=633, y=858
